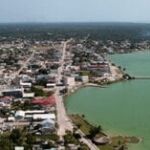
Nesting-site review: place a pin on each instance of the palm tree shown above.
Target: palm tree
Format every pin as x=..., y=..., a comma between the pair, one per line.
x=94, y=131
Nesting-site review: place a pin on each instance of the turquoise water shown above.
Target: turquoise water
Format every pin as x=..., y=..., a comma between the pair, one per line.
x=122, y=108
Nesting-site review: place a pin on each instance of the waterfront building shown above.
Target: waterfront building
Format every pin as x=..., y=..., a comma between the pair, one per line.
x=69, y=81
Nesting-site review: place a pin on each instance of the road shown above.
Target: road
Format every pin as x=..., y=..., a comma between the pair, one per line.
x=25, y=64
x=64, y=123
x=63, y=120
x=88, y=142
x=16, y=74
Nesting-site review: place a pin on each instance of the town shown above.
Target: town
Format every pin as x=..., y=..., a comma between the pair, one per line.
x=35, y=77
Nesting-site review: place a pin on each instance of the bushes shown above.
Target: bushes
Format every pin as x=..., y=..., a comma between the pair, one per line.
x=16, y=137
x=38, y=91
x=70, y=139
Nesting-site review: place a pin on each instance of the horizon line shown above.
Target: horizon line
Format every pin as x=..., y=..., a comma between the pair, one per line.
x=73, y=22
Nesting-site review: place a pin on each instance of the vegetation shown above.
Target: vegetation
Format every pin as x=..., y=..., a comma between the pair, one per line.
x=118, y=142
x=20, y=137
x=81, y=123
x=26, y=105
x=38, y=91
x=5, y=143
x=97, y=31
x=70, y=139
x=88, y=129
x=94, y=131
x=83, y=147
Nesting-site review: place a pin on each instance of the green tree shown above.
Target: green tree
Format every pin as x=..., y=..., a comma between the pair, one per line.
x=38, y=91
x=5, y=144
x=94, y=131
x=16, y=136
x=31, y=139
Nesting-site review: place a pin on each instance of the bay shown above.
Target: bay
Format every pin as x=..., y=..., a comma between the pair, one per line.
x=122, y=108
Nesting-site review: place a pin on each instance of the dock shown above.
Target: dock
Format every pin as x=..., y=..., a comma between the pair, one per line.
x=142, y=77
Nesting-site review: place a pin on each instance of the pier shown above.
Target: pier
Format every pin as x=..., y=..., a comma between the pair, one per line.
x=142, y=77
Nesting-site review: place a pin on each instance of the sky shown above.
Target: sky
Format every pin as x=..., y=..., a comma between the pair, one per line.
x=74, y=11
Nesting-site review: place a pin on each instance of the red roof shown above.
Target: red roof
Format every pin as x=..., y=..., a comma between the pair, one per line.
x=44, y=101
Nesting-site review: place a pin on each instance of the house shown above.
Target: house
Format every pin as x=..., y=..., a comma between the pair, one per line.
x=51, y=85
x=44, y=116
x=25, y=84
x=28, y=95
x=48, y=124
x=70, y=81
x=19, y=148
x=19, y=114
x=11, y=119
x=14, y=92
x=50, y=101
x=85, y=79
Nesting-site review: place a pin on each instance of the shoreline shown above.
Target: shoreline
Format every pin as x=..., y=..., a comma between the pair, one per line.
x=136, y=140
x=129, y=139
x=118, y=77
x=113, y=140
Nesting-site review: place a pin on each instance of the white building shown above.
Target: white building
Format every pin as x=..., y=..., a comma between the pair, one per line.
x=44, y=116
x=19, y=148
x=20, y=114
x=48, y=124
x=51, y=85
x=28, y=95
x=70, y=81
x=85, y=79
x=35, y=111
x=25, y=84
x=11, y=119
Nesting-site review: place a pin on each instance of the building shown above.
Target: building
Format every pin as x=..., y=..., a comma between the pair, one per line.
x=25, y=84
x=44, y=116
x=49, y=101
x=19, y=148
x=16, y=92
x=51, y=85
x=28, y=95
x=48, y=124
x=20, y=114
x=85, y=79
x=11, y=119
x=69, y=81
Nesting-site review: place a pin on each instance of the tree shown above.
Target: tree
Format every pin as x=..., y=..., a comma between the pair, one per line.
x=70, y=139
x=83, y=147
x=38, y=91
x=5, y=144
x=94, y=131
x=83, y=116
x=31, y=139
x=15, y=136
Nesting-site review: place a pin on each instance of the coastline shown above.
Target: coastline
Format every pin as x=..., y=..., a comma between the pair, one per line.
x=113, y=140
x=125, y=138
x=118, y=77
